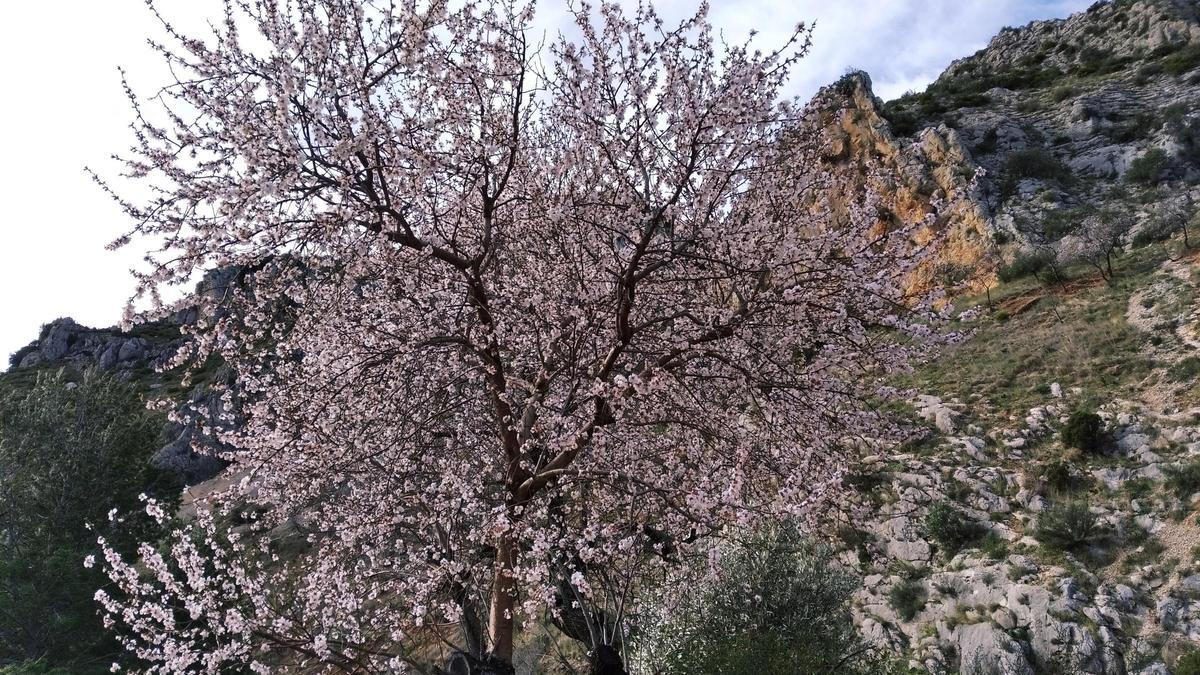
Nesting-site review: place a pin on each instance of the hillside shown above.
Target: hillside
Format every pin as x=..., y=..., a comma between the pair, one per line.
x=999, y=541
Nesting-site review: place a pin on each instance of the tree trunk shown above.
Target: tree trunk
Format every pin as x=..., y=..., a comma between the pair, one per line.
x=606, y=660
x=500, y=619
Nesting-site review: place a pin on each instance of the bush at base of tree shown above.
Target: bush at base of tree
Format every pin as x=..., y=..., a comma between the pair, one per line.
x=781, y=606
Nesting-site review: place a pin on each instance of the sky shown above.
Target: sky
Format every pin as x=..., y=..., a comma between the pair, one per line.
x=63, y=109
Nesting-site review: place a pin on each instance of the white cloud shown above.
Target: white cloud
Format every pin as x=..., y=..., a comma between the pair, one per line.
x=64, y=109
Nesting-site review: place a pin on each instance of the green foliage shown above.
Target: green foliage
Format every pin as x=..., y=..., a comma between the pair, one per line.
x=1035, y=163
x=1093, y=61
x=1058, y=476
x=1186, y=370
x=951, y=528
x=1085, y=431
x=1082, y=341
x=904, y=123
x=994, y=546
x=1141, y=125
x=1157, y=230
x=34, y=667
x=1149, y=168
x=1175, y=114
x=1183, y=480
x=907, y=598
x=71, y=448
x=1188, y=664
x=1182, y=60
x=1025, y=264
x=1067, y=526
x=1063, y=93
x=967, y=89
x=1061, y=222
x=781, y=605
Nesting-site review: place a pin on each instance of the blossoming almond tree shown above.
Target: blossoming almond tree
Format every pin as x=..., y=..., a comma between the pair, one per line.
x=504, y=318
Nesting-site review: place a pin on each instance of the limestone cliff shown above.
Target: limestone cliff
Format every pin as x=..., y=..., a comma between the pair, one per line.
x=914, y=178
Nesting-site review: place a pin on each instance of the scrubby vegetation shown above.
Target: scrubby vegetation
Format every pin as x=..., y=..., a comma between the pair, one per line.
x=951, y=528
x=1149, y=168
x=1033, y=163
x=1085, y=431
x=72, y=447
x=907, y=597
x=1024, y=265
x=1184, y=480
x=780, y=606
x=1188, y=664
x=1067, y=526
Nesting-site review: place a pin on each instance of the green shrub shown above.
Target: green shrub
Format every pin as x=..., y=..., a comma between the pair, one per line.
x=1182, y=61
x=72, y=447
x=1093, y=61
x=1063, y=93
x=1085, y=431
x=1149, y=70
x=1148, y=169
x=1024, y=265
x=1138, y=488
x=1037, y=163
x=1141, y=125
x=781, y=605
x=1183, y=480
x=1149, y=235
x=904, y=123
x=951, y=528
x=1061, y=222
x=1029, y=105
x=1067, y=526
x=994, y=546
x=1188, y=664
x=1175, y=114
x=1186, y=369
x=907, y=598
x=1059, y=476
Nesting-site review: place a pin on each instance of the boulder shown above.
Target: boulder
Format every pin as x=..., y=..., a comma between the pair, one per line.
x=984, y=649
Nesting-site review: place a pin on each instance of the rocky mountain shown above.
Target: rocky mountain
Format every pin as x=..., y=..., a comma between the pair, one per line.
x=998, y=541
x=138, y=355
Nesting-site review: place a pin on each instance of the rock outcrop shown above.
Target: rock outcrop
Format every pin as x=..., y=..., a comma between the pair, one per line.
x=912, y=178
x=140, y=355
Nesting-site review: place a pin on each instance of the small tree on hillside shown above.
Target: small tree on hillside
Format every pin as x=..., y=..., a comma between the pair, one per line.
x=496, y=326
x=1103, y=233
x=1173, y=216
